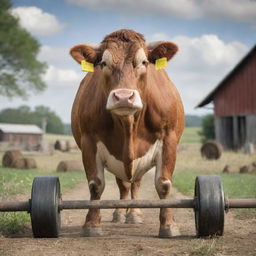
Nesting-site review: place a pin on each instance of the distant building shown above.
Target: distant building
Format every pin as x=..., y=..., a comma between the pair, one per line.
x=20, y=136
x=234, y=101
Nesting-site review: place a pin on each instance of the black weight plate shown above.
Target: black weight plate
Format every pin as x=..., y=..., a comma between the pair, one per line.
x=210, y=206
x=45, y=215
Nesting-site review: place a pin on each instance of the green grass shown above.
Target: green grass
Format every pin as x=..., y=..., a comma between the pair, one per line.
x=13, y=182
x=190, y=135
x=13, y=222
x=204, y=247
x=235, y=185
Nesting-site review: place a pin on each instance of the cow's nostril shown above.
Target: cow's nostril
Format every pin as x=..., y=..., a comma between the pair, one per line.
x=132, y=96
x=116, y=96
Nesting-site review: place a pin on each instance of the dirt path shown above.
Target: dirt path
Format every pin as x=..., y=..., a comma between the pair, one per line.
x=127, y=239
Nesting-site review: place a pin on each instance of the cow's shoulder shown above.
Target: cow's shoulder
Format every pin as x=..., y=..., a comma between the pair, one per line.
x=163, y=101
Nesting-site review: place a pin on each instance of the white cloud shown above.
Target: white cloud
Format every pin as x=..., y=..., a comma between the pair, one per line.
x=189, y=9
x=62, y=69
x=201, y=63
x=55, y=76
x=230, y=9
x=208, y=51
x=57, y=56
x=36, y=21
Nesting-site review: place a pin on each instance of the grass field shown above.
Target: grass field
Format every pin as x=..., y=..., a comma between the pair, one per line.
x=18, y=182
x=190, y=135
x=16, y=185
x=190, y=164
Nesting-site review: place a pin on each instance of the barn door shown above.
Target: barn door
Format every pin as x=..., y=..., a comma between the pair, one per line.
x=239, y=133
x=241, y=130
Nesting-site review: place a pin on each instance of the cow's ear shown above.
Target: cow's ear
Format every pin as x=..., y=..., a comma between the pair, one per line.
x=85, y=52
x=161, y=50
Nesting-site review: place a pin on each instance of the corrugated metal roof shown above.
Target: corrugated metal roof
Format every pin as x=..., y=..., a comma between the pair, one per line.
x=20, y=128
x=210, y=96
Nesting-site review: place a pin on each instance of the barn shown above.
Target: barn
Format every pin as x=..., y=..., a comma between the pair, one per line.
x=20, y=136
x=234, y=100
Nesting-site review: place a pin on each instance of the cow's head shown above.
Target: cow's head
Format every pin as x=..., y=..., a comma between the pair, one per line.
x=123, y=58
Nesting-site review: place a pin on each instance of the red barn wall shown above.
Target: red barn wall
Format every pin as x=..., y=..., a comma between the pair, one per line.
x=24, y=141
x=238, y=95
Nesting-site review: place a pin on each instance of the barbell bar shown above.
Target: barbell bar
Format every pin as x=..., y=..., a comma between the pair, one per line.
x=45, y=205
x=111, y=204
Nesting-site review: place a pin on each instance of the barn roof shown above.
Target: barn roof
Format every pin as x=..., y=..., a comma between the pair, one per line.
x=20, y=128
x=210, y=96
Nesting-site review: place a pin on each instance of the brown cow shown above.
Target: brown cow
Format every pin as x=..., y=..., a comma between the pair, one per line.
x=127, y=117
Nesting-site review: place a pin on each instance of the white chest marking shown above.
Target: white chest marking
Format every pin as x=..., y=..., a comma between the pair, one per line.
x=139, y=165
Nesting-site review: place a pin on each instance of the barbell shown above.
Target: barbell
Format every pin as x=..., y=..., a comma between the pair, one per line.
x=45, y=205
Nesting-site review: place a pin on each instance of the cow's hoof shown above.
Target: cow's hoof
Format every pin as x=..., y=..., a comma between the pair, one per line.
x=92, y=231
x=118, y=217
x=169, y=232
x=133, y=218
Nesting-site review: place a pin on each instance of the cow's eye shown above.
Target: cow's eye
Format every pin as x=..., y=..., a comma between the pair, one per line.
x=103, y=64
x=145, y=62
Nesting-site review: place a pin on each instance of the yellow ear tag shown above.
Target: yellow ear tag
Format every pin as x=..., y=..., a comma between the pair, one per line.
x=161, y=63
x=87, y=66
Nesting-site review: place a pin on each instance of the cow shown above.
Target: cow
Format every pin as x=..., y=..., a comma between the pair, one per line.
x=127, y=117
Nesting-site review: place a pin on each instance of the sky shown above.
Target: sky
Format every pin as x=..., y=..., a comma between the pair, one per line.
x=212, y=35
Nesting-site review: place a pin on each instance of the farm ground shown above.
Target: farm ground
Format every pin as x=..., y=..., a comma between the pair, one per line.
x=127, y=239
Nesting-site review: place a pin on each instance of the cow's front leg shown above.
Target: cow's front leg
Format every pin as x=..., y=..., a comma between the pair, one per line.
x=134, y=215
x=165, y=164
x=94, y=169
x=124, y=188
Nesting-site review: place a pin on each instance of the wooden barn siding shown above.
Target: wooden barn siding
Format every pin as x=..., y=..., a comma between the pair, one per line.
x=238, y=95
x=31, y=139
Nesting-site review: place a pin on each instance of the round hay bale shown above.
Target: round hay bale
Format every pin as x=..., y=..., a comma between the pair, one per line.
x=211, y=150
x=244, y=169
x=71, y=165
x=30, y=163
x=20, y=163
x=226, y=169
x=10, y=157
x=229, y=169
x=60, y=145
x=57, y=145
x=252, y=167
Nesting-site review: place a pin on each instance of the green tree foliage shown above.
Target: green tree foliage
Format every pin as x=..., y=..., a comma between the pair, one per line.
x=207, y=131
x=20, y=71
x=24, y=115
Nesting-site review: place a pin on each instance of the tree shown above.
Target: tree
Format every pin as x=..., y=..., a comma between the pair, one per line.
x=21, y=115
x=54, y=123
x=207, y=131
x=24, y=115
x=20, y=71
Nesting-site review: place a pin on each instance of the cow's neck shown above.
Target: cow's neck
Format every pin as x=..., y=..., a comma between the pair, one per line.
x=126, y=128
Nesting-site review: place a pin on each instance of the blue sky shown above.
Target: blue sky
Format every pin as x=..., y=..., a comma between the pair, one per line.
x=212, y=36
